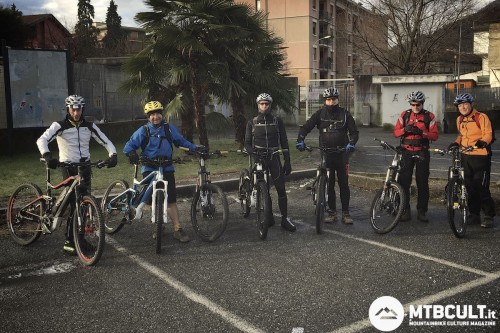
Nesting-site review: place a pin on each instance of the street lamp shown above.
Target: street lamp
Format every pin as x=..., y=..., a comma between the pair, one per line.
x=314, y=48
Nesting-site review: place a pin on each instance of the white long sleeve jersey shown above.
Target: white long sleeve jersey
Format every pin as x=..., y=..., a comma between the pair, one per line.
x=73, y=142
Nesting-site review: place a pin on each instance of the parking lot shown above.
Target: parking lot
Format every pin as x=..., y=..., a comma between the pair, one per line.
x=292, y=282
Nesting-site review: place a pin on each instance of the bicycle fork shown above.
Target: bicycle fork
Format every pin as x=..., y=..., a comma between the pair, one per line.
x=162, y=188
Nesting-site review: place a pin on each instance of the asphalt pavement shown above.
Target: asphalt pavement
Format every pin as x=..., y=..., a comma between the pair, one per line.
x=291, y=282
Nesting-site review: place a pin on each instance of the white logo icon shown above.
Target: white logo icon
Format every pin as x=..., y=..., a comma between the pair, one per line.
x=386, y=313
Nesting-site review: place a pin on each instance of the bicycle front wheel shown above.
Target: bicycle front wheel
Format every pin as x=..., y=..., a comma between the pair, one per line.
x=244, y=192
x=321, y=203
x=457, y=206
x=209, y=212
x=117, y=212
x=160, y=197
x=24, y=214
x=88, y=230
x=263, y=207
x=387, y=207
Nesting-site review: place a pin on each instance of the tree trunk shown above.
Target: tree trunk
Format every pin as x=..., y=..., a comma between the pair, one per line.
x=239, y=120
x=199, y=109
x=187, y=126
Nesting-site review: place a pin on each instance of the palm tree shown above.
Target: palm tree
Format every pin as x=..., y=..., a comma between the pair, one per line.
x=207, y=47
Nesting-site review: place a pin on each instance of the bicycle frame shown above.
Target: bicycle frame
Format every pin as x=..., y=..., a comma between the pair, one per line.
x=52, y=219
x=134, y=195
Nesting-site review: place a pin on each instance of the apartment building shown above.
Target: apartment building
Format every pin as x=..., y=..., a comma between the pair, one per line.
x=135, y=37
x=320, y=36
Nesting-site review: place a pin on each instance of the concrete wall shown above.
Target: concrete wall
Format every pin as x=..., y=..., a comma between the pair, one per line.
x=394, y=90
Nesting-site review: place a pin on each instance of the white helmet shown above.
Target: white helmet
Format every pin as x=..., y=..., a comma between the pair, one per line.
x=416, y=96
x=331, y=93
x=264, y=97
x=75, y=101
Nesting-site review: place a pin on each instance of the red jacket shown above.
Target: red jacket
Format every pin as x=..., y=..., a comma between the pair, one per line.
x=415, y=142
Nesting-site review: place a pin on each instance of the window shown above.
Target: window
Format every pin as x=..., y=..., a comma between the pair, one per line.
x=349, y=61
x=313, y=3
x=314, y=29
x=257, y=4
x=315, y=56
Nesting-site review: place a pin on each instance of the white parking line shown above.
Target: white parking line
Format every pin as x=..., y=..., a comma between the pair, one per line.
x=231, y=318
x=486, y=278
x=365, y=323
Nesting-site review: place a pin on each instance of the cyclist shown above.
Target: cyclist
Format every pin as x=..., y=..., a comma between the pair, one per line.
x=73, y=136
x=156, y=139
x=337, y=128
x=416, y=127
x=266, y=131
x=475, y=129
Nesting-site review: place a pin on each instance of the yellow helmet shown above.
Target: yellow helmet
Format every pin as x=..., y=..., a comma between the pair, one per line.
x=152, y=106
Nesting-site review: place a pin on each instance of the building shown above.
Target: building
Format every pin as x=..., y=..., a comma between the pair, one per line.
x=320, y=36
x=47, y=32
x=135, y=40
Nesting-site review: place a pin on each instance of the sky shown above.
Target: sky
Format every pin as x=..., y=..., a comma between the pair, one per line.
x=66, y=10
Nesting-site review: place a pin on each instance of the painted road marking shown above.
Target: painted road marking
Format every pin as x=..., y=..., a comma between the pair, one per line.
x=189, y=293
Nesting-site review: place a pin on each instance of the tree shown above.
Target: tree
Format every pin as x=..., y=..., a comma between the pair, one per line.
x=414, y=30
x=85, y=40
x=114, y=41
x=12, y=28
x=195, y=45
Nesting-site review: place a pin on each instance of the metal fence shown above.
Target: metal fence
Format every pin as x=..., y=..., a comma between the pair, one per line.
x=99, y=85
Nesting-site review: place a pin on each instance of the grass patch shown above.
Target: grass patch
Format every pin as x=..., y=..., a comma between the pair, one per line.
x=26, y=168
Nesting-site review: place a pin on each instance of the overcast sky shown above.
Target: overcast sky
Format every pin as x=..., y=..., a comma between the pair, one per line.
x=66, y=10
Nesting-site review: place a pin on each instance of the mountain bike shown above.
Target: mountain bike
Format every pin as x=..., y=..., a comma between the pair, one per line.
x=390, y=201
x=120, y=200
x=455, y=193
x=209, y=208
x=319, y=188
x=253, y=188
x=32, y=213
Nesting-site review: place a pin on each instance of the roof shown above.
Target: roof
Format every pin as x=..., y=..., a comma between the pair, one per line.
x=37, y=18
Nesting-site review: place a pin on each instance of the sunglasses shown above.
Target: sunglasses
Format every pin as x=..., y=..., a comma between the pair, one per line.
x=330, y=99
x=263, y=103
x=418, y=104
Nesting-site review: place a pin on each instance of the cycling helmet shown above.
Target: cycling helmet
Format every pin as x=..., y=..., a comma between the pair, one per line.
x=463, y=98
x=331, y=93
x=416, y=96
x=264, y=97
x=75, y=101
x=152, y=106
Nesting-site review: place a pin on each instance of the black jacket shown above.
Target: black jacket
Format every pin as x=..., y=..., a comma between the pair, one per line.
x=336, y=126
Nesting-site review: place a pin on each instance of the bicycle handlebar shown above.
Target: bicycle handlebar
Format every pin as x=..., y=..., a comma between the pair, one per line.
x=326, y=149
x=449, y=151
x=98, y=164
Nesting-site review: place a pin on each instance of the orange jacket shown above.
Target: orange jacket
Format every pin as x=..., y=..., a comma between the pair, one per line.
x=470, y=133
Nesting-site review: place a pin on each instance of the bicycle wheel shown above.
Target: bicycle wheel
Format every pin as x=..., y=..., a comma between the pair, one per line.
x=88, y=230
x=457, y=206
x=244, y=192
x=263, y=209
x=387, y=207
x=118, y=212
x=24, y=214
x=320, y=202
x=209, y=212
x=160, y=196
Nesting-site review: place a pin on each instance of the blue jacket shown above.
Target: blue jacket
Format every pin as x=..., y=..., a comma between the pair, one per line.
x=158, y=144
